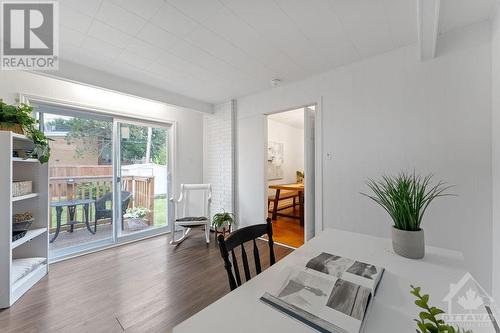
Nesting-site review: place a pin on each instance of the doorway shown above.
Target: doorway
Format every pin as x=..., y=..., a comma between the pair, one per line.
x=290, y=175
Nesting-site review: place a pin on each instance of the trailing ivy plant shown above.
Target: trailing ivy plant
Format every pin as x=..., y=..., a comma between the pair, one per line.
x=428, y=321
x=406, y=197
x=11, y=115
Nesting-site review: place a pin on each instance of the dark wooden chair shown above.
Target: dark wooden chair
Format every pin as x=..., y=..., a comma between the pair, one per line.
x=239, y=238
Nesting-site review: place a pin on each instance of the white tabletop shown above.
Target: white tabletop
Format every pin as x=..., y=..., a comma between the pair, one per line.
x=393, y=307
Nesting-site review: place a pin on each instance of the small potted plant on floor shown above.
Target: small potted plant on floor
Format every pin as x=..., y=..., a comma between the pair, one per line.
x=19, y=119
x=222, y=221
x=406, y=197
x=136, y=213
x=135, y=218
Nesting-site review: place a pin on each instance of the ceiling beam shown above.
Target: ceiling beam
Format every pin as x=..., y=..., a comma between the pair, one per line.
x=428, y=27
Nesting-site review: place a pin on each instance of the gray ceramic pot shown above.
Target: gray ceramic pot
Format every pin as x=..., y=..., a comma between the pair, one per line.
x=408, y=244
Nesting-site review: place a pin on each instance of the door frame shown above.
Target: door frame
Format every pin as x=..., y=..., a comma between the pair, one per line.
x=117, y=179
x=318, y=161
x=27, y=98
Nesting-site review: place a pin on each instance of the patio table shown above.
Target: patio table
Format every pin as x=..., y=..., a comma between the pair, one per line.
x=71, y=206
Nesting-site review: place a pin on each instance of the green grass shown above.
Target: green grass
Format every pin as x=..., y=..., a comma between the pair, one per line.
x=160, y=213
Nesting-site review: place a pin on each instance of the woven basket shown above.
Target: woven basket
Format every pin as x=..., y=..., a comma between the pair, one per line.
x=16, y=128
x=22, y=188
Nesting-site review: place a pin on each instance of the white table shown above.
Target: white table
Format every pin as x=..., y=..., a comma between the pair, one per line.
x=392, y=309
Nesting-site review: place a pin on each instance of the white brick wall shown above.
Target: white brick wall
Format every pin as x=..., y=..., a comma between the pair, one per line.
x=218, y=152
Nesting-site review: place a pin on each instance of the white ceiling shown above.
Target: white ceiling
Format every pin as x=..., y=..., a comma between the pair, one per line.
x=215, y=50
x=293, y=118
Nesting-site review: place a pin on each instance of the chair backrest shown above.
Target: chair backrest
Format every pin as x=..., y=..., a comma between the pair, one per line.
x=195, y=199
x=125, y=200
x=101, y=202
x=239, y=238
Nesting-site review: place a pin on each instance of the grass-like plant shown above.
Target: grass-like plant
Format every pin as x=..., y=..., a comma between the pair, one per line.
x=406, y=197
x=428, y=321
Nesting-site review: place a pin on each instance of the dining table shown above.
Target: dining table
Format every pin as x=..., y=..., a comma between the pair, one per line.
x=296, y=187
x=392, y=309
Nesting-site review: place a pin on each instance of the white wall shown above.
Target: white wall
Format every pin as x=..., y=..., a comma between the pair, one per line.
x=496, y=151
x=386, y=114
x=218, y=156
x=189, y=162
x=293, y=149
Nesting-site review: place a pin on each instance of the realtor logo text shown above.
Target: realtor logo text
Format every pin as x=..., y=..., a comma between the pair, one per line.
x=30, y=34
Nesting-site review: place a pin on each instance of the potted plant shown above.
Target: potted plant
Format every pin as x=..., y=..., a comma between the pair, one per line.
x=299, y=175
x=19, y=119
x=406, y=197
x=136, y=213
x=221, y=220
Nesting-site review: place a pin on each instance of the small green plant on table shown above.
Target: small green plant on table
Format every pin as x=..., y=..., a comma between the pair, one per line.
x=428, y=321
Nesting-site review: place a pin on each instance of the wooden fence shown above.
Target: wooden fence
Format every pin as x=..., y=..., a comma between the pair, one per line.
x=93, y=182
x=80, y=170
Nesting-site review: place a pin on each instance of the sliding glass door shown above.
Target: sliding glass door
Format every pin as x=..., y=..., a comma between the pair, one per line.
x=80, y=179
x=109, y=178
x=142, y=178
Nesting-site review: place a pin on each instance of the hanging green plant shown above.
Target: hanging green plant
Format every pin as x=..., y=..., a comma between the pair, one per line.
x=20, y=119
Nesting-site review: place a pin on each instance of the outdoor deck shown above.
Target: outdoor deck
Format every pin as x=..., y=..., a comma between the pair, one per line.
x=80, y=236
x=93, y=183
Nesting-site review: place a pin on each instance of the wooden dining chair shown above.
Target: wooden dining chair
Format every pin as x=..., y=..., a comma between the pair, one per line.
x=239, y=238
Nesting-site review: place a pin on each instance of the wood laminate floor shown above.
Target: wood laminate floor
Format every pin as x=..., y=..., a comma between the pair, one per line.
x=287, y=230
x=147, y=286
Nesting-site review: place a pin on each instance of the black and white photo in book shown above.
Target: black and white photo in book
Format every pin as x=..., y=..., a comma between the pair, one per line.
x=330, y=264
x=349, y=298
x=365, y=270
x=338, y=266
x=306, y=291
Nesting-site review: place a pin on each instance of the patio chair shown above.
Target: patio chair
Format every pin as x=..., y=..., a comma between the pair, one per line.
x=194, y=203
x=101, y=212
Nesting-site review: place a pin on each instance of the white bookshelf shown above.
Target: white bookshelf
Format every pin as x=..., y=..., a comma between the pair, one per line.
x=35, y=242
x=24, y=197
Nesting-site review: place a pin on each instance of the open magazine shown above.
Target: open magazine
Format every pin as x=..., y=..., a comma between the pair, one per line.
x=329, y=294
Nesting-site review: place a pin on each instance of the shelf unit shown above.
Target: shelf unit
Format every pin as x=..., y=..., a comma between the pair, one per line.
x=24, y=197
x=24, y=160
x=32, y=233
x=35, y=242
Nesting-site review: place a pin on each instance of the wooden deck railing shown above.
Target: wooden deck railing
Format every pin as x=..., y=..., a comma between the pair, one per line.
x=95, y=186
